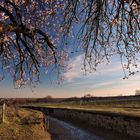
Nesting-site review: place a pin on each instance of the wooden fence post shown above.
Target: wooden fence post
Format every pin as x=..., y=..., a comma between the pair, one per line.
x=3, y=113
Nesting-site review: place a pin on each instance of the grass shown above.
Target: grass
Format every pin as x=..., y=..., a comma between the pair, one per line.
x=22, y=124
x=129, y=108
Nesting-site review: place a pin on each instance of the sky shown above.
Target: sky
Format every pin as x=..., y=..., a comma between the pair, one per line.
x=106, y=81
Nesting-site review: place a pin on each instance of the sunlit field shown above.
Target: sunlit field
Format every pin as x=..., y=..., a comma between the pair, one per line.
x=120, y=106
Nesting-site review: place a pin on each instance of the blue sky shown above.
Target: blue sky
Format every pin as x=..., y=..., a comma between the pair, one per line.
x=106, y=81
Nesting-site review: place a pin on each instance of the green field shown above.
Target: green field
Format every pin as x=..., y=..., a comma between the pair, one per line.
x=129, y=107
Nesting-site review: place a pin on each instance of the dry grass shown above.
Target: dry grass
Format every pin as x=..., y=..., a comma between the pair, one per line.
x=22, y=124
x=128, y=110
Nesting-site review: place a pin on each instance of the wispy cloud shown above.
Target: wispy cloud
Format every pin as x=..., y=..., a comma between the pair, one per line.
x=106, y=81
x=75, y=66
x=76, y=71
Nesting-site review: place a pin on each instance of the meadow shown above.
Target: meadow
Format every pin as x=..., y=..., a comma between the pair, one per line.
x=129, y=106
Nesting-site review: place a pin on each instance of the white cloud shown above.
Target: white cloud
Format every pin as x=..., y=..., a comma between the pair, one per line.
x=74, y=70
x=76, y=64
x=106, y=81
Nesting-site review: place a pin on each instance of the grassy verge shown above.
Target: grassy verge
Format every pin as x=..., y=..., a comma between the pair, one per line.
x=22, y=124
x=120, y=109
